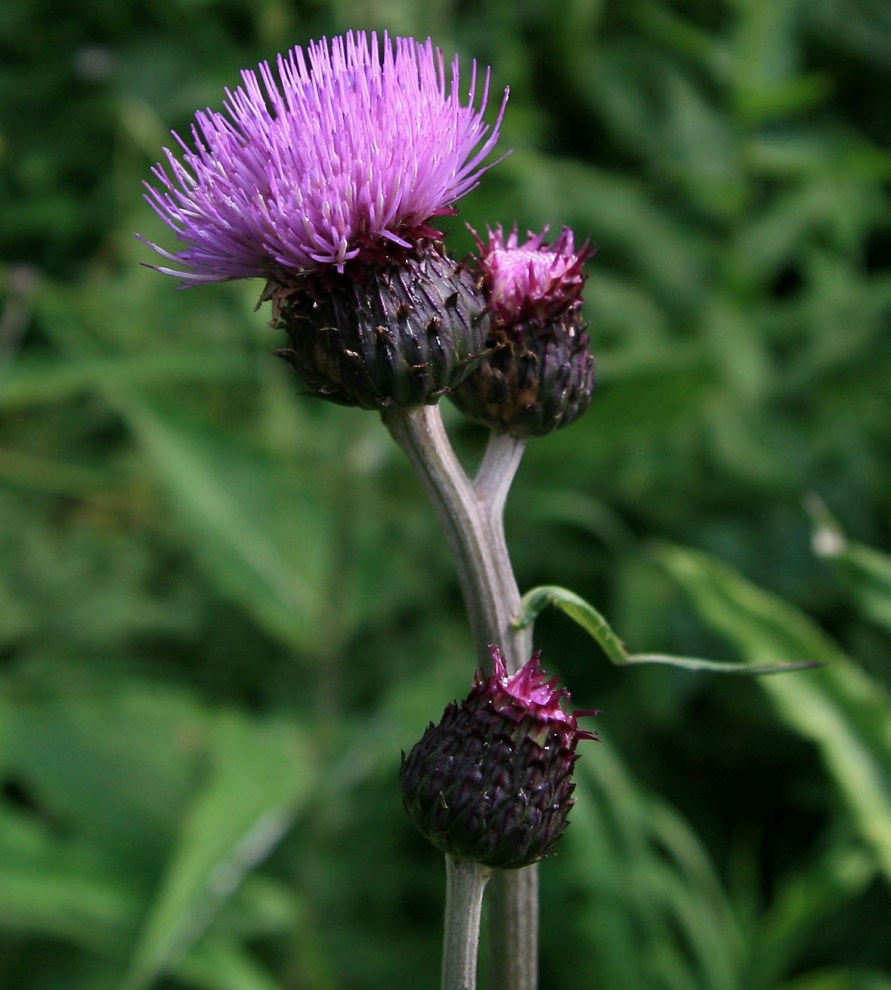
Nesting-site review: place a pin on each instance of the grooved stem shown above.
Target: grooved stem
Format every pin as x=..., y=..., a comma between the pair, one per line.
x=465, y=883
x=513, y=929
x=472, y=516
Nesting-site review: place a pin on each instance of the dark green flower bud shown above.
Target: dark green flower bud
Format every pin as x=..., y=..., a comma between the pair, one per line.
x=492, y=782
x=387, y=336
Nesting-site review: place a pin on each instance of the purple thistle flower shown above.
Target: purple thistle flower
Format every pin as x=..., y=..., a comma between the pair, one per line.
x=347, y=150
x=539, y=372
x=492, y=782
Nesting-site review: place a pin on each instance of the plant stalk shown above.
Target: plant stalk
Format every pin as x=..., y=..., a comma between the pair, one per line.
x=465, y=883
x=472, y=516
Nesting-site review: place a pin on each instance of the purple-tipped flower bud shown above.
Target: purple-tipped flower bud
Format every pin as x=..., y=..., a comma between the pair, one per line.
x=492, y=782
x=539, y=374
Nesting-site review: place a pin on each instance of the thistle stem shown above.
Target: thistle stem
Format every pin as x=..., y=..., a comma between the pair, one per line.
x=513, y=929
x=465, y=883
x=472, y=516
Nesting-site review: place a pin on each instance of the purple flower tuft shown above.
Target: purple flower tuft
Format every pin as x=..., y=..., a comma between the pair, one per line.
x=532, y=278
x=529, y=694
x=350, y=147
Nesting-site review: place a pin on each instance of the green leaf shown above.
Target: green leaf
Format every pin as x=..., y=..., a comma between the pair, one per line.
x=807, y=901
x=259, y=779
x=110, y=776
x=222, y=964
x=652, y=899
x=31, y=382
x=580, y=611
x=839, y=707
x=840, y=978
x=262, y=533
x=113, y=766
x=54, y=888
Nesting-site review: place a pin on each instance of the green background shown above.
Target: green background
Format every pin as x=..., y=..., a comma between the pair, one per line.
x=225, y=608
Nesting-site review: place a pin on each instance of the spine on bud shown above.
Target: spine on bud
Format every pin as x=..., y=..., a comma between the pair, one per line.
x=388, y=337
x=535, y=379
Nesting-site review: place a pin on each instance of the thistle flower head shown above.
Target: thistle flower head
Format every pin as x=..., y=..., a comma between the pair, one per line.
x=539, y=372
x=492, y=782
x=345, y=150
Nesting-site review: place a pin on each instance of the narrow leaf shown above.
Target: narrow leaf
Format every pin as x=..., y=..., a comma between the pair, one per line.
x=583, y=613
x=839, y=707
x=652, y=898
x=222, y=964
x=53, y=888
x=35, y=381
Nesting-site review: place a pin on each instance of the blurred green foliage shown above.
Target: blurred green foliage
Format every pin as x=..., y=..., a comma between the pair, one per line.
x=225, y=608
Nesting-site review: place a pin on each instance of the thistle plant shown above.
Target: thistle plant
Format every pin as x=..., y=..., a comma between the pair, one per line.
x=325, y=178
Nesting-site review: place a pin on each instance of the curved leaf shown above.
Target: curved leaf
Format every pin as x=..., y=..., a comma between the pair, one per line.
x=582, y=612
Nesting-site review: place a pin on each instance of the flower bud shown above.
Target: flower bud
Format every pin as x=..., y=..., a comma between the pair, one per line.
x=390, y=336
x=492, y=783
x=539, y=372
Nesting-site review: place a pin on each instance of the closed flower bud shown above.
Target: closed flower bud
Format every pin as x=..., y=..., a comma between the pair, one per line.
x=492, y=782
x=539, y=372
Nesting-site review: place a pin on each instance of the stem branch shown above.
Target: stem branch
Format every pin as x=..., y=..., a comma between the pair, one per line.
x=472, y=516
